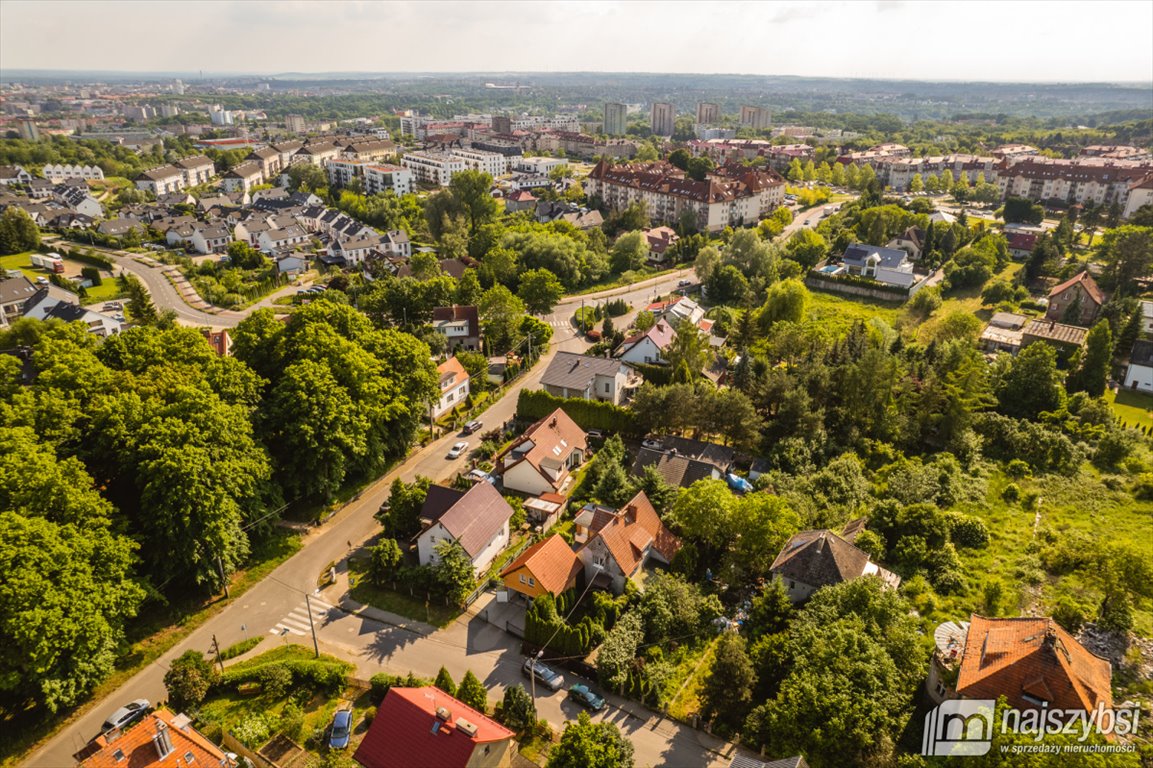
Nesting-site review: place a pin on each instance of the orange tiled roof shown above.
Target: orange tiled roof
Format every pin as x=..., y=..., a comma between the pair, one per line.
x=1033, y=657
x=552, y=562
x=135, y=748
x=632, y=530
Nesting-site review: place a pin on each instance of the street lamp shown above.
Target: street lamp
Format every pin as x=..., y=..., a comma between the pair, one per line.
x=597, y=568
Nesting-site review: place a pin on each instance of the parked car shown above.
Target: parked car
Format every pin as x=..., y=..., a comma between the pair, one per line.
x=654, y=445
x=457, y=449
x=479, y=475
x=341, y=729
x=472, y=426
x=684, y=283
x=595, y=434
x=548, y=677
x=126, y=715
x=586, y=697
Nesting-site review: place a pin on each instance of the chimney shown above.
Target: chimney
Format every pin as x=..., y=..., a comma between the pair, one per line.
x=162, y=741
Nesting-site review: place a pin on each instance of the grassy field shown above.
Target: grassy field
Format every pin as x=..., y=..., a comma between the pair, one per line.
x=1133, y=408
x=433, y=612
x=837, y=313
x=687, y=681
x=107, y=291
x=151, y=635
x=1088, y=504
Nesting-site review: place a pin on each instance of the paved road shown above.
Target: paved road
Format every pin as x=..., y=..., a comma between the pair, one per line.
x=268, y=603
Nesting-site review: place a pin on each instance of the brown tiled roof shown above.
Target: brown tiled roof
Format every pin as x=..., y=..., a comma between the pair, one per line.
x=552, y=562
x=1032, y=657
x=1088, y=283
x=723, y=184
x=452, y=370
x=476, y=517
x=456, y=313
x=1049, y=330
x=1078, y=170
x=629, y=532
x=819, y=559
x=135, y=749
x=554, y=439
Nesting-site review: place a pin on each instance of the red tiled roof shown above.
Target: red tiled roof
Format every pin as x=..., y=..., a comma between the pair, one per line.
x=402, y=733
x=452, y=370
x=1088, y=283
x=1032, y=657
x=554, y=438
x=137, y=750
x=552, y=562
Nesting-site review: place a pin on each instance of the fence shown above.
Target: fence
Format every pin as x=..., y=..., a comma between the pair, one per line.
x=233, y=744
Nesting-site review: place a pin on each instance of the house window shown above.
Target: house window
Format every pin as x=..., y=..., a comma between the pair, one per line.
x=941, y=689
x=531, y=581
x=188, y=758
x=522, y=579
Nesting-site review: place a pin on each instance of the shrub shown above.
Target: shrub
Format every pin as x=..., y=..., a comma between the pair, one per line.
x=275, y=680
x=1018, y=469
x=241, y=648
x=926, y=301
x=967, y=531
x=1070, y=614
x=292, y=721
x=189, y=680
x=254, y=730
x=1011, y=493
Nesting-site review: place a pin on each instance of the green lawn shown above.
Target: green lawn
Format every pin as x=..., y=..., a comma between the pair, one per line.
x=686, y=682
x=433, y=612
x=107, y=291
x=837, y=313
x=1133, y=408
x=22, y=262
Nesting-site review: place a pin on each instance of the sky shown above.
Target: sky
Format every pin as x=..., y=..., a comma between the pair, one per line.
x=1028, y=41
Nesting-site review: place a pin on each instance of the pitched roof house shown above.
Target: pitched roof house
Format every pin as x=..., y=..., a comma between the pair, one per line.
x=1081, y=289
x=682, y=462
x=619, y=542
x=454, y=386
x=477, y=519
x=418, y=727
x=548, y=566
x=885, y=265
x=587, y=377
x=648, y=347
x=1032, y=662
x=541, y=460
x=160, y=740
x=460, y=325
x=814, y=559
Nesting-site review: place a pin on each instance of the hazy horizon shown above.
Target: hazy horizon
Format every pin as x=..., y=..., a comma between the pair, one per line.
x=993, y=42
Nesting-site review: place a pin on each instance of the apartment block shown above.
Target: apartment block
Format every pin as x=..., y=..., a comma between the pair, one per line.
x=433, y=167
x=662, y=119
x=616, y=122
x=492, y=163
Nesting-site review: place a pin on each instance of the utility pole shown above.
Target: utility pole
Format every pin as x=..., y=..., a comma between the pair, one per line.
x=223, y=577
x=216, y=647
x=312, y=626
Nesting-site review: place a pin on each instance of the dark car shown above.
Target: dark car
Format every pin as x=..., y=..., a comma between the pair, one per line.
x=341, y=729
x=126, y=715
x=586, y=697
x=472, y=426
x=546, y=675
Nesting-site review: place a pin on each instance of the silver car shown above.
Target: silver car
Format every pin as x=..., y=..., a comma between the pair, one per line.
x=129, y=713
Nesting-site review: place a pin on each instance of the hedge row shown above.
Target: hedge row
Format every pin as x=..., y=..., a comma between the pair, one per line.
x=322, y=675
x=588, y=414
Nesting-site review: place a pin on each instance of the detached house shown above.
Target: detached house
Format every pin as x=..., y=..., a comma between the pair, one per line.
x=890, y=266
x=681, y=461
x=477, y=519
x=454, y=386
x=541, y=460
x=1082, y=294
x=1139, y=373
x=1032, y=662
x=160, y=740
x=589, y=378
x=648, y=347
x=815, y=559
x=419, y=727
x=549, y=566
x=460, y=326
x=619, y=542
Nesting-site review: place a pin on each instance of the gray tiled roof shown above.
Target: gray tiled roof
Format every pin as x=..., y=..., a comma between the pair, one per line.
x=573, y=371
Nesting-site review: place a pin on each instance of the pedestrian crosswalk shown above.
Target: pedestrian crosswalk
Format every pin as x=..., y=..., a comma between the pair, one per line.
x=296, y=622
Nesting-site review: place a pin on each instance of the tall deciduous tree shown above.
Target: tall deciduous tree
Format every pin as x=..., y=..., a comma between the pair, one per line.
x=500, y=314
x=728, y=689
x=585, y=744
x=540, y=291
x=1032, y=385
x=1093, y=374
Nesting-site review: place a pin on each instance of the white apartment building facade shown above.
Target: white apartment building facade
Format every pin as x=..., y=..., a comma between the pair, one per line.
x=433, y=167
x=380, y=178
x=492, y=163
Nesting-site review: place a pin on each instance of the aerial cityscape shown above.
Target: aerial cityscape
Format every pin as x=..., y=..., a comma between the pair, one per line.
x=576, y=384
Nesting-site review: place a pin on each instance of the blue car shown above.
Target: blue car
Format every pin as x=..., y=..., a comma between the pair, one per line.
x=586, y=697
x=341, y=729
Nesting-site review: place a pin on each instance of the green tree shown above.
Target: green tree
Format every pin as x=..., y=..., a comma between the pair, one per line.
x=501, y=314
x=837, y=176
x=727, y=692
x=727, y=286
x=244, y=256
x=699, y=167
x=917, y=184
x=585, y=744
x=384, y=559
x=644, y=321
x=453, y=571
x=517, y=711
x=468, y=290
x=540, y=291
x=707, y=262
x=472, y=692
x=306, y=177
x=688, y=351
x=444, y=682
x=189, y=679
x=786, y=301
x=17, y=231
x=629, y=252
x=615, y=658
x=795, y=171
x=139, y=306
x=1032, y=385
x=1128, y=254
x=806, y=247
x=472, y=193
x=1093, y=374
